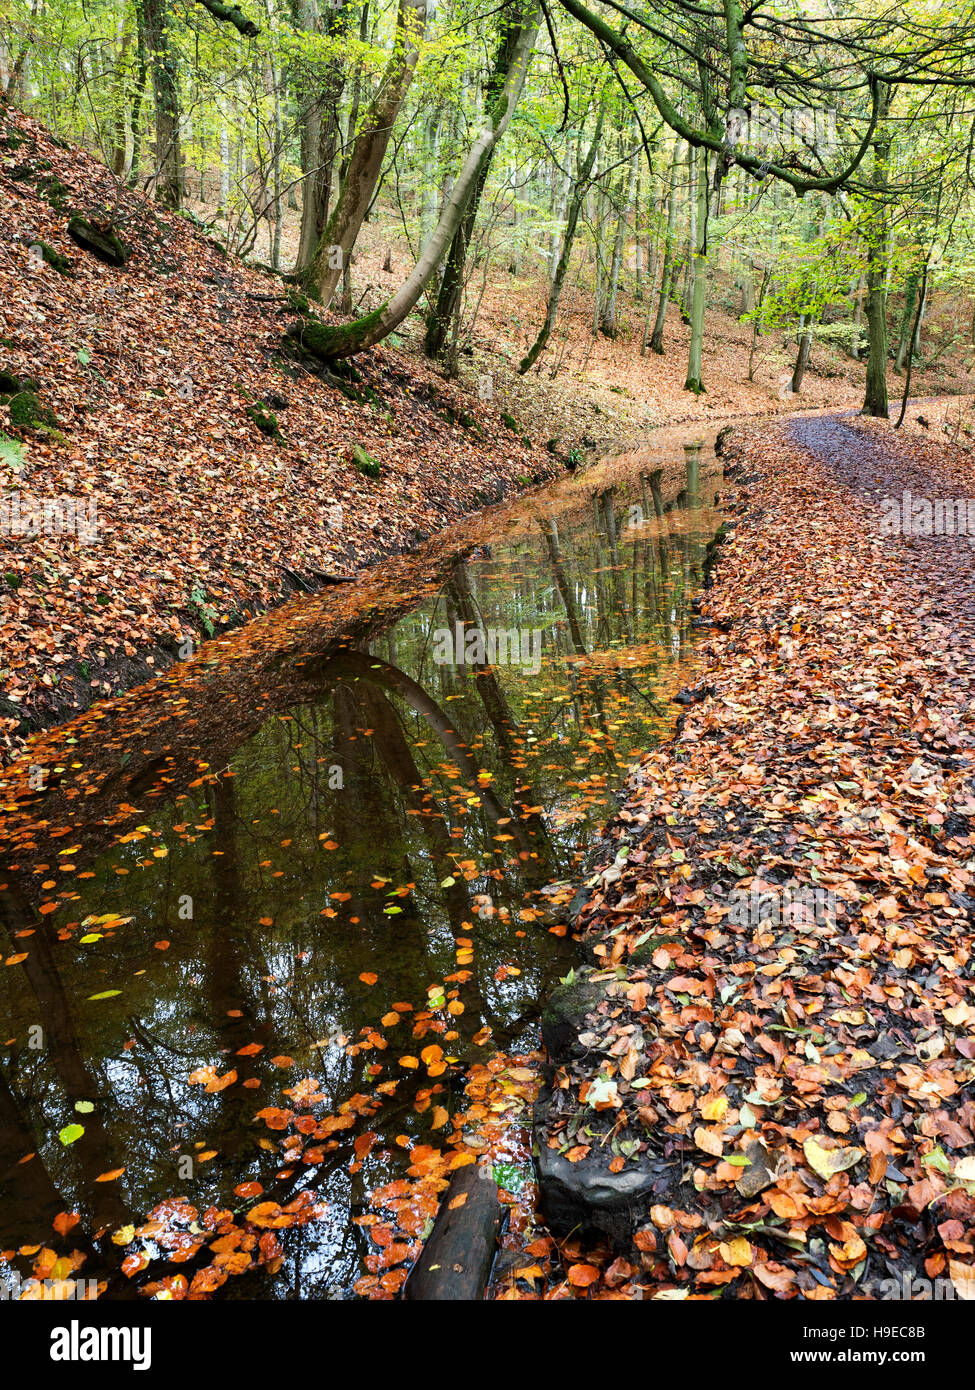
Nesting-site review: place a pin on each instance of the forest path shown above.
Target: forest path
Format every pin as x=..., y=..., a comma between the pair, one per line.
x=875, y=469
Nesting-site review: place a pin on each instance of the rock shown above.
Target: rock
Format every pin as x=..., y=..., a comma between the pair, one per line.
x=27, y=411
x=564, y=1015
x=266, y=421
x=100, y=242
x=721, y=439
x=643, y=955
x=365, y=462
x=53, y=258
x=585, y=1198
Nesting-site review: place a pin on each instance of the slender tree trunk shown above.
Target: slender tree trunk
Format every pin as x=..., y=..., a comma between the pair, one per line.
x=447, y=307
x=694, y=380
x=657, y=337
x=165, y=90
x=878, y=244
x=368, y=152
x=608, y=323
x=802, y=356
x=579, y=189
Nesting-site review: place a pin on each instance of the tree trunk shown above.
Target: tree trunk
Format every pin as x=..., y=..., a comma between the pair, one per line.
x=579, y=190
x=165, y=91
x=802, y=356
x=657, y=337
x=878, y=242
x=366, y=162
x=694, y=380
x=345, y=341
x=318, y=130
x=447, y=308
x=608, y=323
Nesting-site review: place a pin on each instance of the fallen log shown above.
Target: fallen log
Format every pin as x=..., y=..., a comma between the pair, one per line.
x=456, y=1261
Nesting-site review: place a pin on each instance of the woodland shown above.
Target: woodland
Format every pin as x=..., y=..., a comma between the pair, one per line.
x=622, y=953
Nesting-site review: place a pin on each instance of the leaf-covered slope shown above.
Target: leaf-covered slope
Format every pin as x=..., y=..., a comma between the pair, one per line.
x=223, y=472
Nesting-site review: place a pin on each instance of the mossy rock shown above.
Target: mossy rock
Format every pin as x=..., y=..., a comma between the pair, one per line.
x=298, y=300
x=365, y=462
x=9, y=383
x=564, y=1015
x=13, y=141
x=27, y=411
x=54, y=191
x=102, y=243
x=643, y=955
x=54, y=258
x=511, y=422
x=266, y=421
x=23, y=172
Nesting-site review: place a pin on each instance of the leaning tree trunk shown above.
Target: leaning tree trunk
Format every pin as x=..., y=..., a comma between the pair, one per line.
x=368, y=153
x=579, y=190
x=348, y=339
x=447, y=306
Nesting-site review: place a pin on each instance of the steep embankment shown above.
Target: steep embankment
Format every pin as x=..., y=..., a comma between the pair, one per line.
x=211, y=472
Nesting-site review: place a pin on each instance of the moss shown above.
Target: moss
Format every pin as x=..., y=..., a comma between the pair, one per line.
x=298, y=300
x=564, y=1014
x=54, y=191
x=329, y=343
x=510, y=422
x=27, y=411
x=54, y=258
x=365, y=462
x=13, y=141
x=101, y=242
x=643, y=955
x=266, y=421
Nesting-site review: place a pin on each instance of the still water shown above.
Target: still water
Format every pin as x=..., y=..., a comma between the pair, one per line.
x=264, y=914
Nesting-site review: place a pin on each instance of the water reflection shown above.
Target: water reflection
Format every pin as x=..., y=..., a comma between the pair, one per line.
x=314, y=855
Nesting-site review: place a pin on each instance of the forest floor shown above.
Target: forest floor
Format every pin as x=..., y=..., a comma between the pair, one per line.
x=154, y=373
x=774, y=1044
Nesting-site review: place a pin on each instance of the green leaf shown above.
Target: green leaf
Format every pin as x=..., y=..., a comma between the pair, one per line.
x=84, y=1107
x=105, y=994
x=70, y=1133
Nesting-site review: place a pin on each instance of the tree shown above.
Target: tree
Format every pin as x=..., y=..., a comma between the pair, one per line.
x=346, y=340
x=365, y=165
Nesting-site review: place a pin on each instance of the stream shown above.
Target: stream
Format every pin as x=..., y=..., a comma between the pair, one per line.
x=320, y=849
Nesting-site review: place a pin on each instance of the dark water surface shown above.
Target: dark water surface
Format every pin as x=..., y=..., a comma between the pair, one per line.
x=319, y=850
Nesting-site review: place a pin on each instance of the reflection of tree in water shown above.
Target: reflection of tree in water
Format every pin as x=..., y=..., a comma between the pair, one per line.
x=440, y=764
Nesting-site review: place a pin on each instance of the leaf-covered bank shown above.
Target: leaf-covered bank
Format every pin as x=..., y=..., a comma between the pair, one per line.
x=761, y=1088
